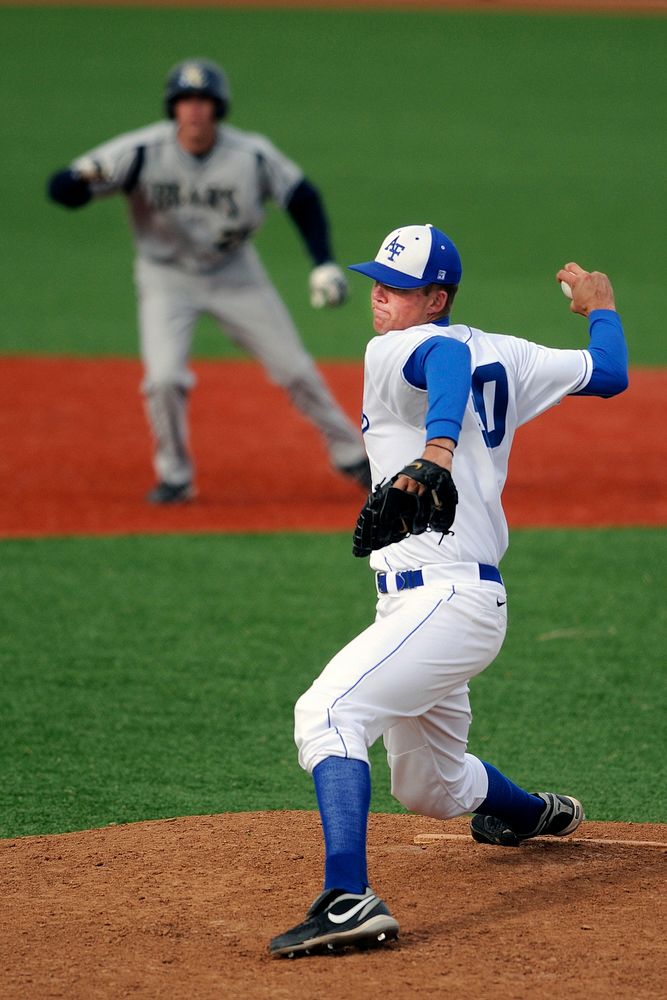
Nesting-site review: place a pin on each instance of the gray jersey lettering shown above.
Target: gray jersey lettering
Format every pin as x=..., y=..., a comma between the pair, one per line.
x=189, y=211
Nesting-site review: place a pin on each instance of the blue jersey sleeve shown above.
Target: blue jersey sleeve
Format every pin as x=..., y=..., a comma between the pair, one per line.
x=441, y=366
x=609, y=352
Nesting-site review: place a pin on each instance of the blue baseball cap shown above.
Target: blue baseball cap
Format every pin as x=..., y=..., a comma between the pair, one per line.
x=414, y=256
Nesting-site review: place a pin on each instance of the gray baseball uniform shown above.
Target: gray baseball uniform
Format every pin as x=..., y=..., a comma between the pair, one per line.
x=192, y=219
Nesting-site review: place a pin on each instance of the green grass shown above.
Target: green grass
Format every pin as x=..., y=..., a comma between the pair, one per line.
x=146, y=677
x=531, y=139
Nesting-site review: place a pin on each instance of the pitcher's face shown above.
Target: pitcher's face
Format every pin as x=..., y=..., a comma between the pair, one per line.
x=400, y=308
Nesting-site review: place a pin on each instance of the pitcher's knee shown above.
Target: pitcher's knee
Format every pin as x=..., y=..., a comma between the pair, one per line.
x=435, y=802
x=423, y=788
x=319, y=734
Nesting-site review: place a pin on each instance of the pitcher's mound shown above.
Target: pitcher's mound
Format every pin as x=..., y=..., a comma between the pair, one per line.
x=183, y=908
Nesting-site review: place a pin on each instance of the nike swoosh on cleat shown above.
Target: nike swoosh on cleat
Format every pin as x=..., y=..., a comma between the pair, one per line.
x=340, y=918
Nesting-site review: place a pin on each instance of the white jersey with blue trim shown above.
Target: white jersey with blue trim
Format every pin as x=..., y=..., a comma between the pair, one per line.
x=192, y=211
x=513, y=380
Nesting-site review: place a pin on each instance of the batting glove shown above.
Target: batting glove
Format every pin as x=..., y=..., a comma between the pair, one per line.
x=328, y=286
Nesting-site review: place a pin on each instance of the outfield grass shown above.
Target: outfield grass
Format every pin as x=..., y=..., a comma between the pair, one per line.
x=146, y=677
x=531, y=139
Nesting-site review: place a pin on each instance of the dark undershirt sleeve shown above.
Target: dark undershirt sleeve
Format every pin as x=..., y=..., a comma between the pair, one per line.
x=306, y=210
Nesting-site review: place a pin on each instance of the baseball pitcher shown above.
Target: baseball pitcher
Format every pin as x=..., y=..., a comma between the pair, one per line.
x=196, y=190
x=441, y=406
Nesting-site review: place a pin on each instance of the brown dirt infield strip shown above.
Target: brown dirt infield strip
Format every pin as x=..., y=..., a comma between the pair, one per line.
x=183, y=908
x=76, y=455
x=628, y=7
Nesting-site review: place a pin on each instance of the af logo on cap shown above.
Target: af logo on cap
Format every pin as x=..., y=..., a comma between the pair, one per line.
x=394, y=248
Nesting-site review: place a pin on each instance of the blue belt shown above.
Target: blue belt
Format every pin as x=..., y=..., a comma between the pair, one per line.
x=408, y=579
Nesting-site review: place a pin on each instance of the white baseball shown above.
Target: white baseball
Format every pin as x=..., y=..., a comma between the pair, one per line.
x=567, y=291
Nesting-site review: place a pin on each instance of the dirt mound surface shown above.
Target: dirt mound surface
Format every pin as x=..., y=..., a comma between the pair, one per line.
x=184, y=908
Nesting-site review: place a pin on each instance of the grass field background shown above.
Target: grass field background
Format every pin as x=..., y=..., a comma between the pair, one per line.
x=532, y=140
x=147, y=677
x=155, y=676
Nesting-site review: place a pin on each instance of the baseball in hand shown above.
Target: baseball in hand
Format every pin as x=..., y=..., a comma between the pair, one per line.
x=567, y=291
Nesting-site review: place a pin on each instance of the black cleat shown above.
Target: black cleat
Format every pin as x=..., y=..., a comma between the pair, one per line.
x=360, y=472
x=168, y=493
x=562, y=815
x=335, y=920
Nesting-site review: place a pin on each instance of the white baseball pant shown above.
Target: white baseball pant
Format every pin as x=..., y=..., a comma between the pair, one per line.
x=406, y=678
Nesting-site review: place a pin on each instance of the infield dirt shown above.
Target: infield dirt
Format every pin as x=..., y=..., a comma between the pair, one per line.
x=633, y=7
x=76, y=455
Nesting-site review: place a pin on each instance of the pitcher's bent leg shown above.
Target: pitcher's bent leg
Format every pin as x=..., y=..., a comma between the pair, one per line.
x=422, y=646
x=431, y=772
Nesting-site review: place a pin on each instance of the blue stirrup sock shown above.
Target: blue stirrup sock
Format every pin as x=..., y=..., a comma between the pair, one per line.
x=343, y=789
x=509, y=802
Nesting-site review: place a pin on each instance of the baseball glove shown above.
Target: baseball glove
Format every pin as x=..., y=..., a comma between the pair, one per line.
x=390, y=515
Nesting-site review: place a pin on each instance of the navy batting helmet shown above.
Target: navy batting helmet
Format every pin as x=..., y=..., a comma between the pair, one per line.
x=200, y=77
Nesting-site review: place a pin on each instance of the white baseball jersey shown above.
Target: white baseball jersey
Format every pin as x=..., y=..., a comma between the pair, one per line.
x=193, y=211
x=513, y=380
x=406, y=676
